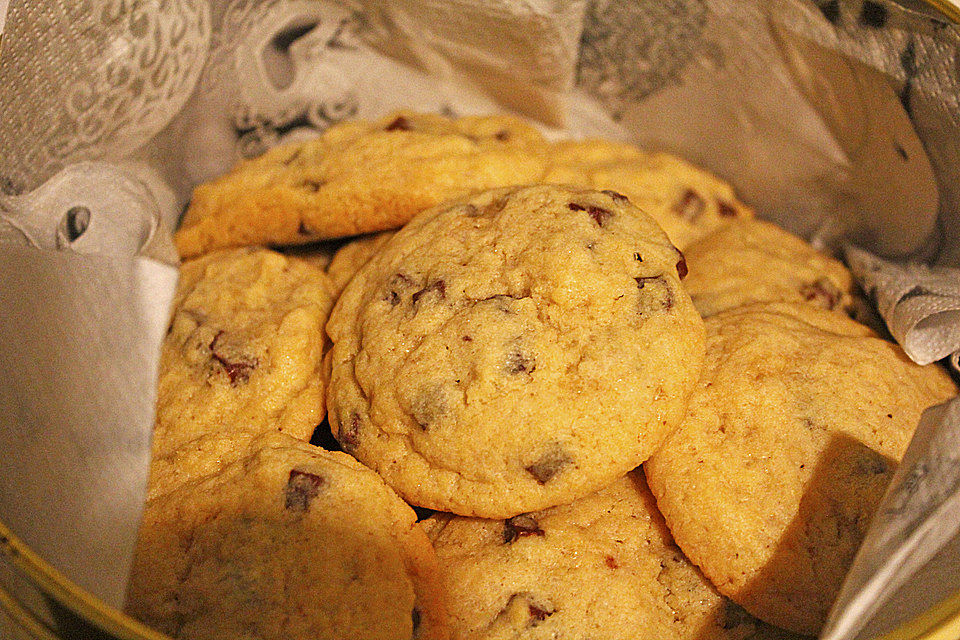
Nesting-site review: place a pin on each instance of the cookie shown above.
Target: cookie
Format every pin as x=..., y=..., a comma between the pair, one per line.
x=789, y=442
x=603, y=567
x=514, y=350
x=243, y=349
x=203, y=456
x=755, y=261
x=289, y=542
x=352, y=256
x=685, y=200
x=359, y=177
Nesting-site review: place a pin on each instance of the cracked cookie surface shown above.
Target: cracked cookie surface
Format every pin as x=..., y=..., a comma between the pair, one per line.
x=242, y=353
x=685, y=200
x=788, y=444
x=287, y=542
x=514, y=351
x=755, y=261
x=603, y=567
x=359, y=177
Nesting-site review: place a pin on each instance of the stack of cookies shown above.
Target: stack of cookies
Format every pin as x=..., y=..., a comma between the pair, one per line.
x=604, y=438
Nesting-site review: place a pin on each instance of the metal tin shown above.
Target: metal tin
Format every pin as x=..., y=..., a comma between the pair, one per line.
x=37, y=602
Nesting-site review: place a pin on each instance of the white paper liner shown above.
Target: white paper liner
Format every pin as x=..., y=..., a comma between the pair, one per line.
x=919, y=515
x=88, y=281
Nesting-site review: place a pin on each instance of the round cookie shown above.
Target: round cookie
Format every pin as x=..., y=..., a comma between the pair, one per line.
x=243, y=349
x=352, y=256
x=290, y=542
x=513, y=351
x=603, y=567
x=685, y=200
x=788, y=444
x=358, y=177
x=755, y=261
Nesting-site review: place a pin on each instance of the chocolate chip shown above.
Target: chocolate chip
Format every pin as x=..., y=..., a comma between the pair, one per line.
x=822, y=293
x=503, y=135
x=655, y=295
x=302, y=488
x=399, y=124
x=690, y=206
x=429, y=406
x=520, y=526
x=349, y=435
x=310, y=185
x=617, y=197
x=395, y=287
x=524, y=605
x=638, y=257
x=539, y=614
x=438, y=286
x=682, y=266
x=467, y=339
x=520, y=362
x=548, y=465
x=238, y=370
x=611, y=562
x=725, y=209
x=599, y=214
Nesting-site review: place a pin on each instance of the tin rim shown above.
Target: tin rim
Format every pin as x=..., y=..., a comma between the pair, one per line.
x=65, y=592
x=940, y=622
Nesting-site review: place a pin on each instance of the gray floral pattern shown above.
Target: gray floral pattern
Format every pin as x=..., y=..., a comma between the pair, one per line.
x=93, y=79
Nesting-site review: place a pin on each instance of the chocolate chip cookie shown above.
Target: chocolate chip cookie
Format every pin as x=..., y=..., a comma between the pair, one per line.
x=289, y=542
x=603, y=567
x=243, y=349
x=359, y=177
x=348, y=260
x=789, y=442
x=685, y=200
x=755, y=261
x=514, y=350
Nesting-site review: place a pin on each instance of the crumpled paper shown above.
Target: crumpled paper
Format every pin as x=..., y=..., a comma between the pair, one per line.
x=828, y=117
x=920, y=304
